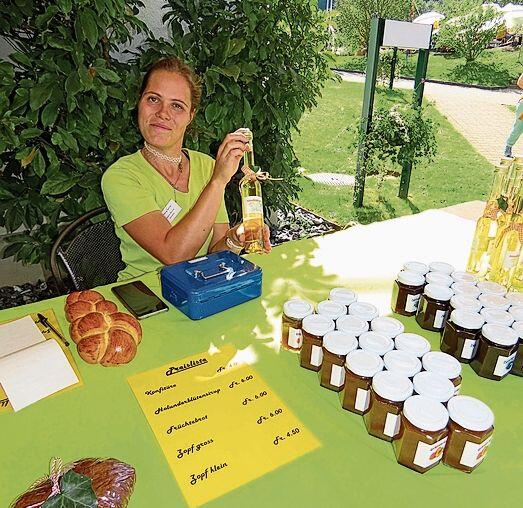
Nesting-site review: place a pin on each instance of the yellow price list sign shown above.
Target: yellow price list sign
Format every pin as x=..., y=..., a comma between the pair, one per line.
x=218, y=423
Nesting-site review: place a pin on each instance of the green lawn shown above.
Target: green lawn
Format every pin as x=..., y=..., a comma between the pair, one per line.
x=457, y=174
x=495, y=67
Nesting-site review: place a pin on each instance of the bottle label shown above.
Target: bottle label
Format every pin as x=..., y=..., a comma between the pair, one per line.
x=392, y=425
x=510, y=260
x=474, y=453
x=253, y=205
x=439, y=318
x=412, y=303
x=362, y=399
x=469, y=349
x=295, y=338
x=316, y=356
x=429, y=454
x=337, y=375
x=504, y=365
x=493, y=228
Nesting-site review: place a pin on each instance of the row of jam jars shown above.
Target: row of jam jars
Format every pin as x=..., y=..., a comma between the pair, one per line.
x=461, y=334
x=336, y=346
x=314, y=328
x=434, y=307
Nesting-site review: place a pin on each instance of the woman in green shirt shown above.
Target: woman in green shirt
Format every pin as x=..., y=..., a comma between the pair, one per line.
x=167, y=202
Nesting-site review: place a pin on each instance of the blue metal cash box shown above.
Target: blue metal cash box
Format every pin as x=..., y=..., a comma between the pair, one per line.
x=207, y=285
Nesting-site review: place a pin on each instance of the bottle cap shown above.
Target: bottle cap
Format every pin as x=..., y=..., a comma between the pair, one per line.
x=515, y=297
x=403, y=363
x=466, y=319
x=387, y=326
x=516, y=312
x=465, y=302
x=339, y=343
x=499, y=334
x=437, y=292
x=376, y=343
x=392, y=386
x=297, y=309
x=364, y=363
x=352, y=325
x=496, y=316
x=493, y=288
x=464, y=277
x=490, y=301
x=317, y=325
x=343, y=295
x=412, y=343
x=439, y=278
x=470, y=413
x=433, y=385
x=331, y=309
x=411, y=278
x=425, y=413
x=416, y=266
x=460, y=288
x=441, y=363
x=439, y=266
x=364, y=310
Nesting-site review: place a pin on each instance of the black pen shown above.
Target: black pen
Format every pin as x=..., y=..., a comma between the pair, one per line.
x=46, y=322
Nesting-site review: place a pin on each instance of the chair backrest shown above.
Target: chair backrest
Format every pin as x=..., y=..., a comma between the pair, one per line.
x=88, y=250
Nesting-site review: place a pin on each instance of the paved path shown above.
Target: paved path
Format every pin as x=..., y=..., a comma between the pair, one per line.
x=481, y=116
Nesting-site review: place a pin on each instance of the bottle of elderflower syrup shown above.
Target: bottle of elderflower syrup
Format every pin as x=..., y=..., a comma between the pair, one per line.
x=252, y=203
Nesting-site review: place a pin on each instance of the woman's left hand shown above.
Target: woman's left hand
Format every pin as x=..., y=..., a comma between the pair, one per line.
x=238, y=236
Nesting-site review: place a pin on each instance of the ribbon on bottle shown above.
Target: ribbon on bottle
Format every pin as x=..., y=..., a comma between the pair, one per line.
x=259, y=175
x=491, y=210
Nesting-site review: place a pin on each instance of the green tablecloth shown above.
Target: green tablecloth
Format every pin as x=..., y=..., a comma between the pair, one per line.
x=103, y=419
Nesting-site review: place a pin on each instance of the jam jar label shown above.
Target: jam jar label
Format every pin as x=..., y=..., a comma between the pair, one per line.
x=337, y=375
x=439, y=318
x=362, y=399
x=504, y=365
x=411, y=305
x=316, y=356
x=295, y=338
x=474, y=453
x=469, y=349
x=429, y=454
x=392, y=425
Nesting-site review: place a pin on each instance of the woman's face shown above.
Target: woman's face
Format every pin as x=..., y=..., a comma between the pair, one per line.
x=164, y=111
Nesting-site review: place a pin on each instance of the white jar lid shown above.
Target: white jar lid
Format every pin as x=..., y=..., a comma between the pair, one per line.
x=364, y=310
x=438, y=292
x=339, y=343
x=426, y=413
x=440, y=266
x=387, y=326
x=466, y=302
x=441, y=363
x=416, y=266
x=376, y=343
x=297, y=309
x=343, y=295
x=352, y=325
x=464, y=277
x=433, y=385
x=364, y=363
x=317, y=325
x=412, y=343
x=496, y=316
x=331, y=309
x=460, y=288
x=410, y=278
x=518, y=328
x=466, y=319
x=515, y=297
x=402, y=362
x=439, y=278
x=392, y=386
x=470, y=413
x=490, y=301
x=493, y=288
x=499, y=334
x=516, y=313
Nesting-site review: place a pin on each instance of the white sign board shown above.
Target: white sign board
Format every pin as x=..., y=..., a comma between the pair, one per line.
x=402, y=34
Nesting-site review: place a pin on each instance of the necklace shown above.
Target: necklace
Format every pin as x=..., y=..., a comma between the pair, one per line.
x=173, y=160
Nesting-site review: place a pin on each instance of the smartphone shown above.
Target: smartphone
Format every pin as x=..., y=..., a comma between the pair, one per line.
x=139, y=299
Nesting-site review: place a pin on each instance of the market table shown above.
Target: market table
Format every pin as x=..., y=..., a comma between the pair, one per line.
x=103, y=419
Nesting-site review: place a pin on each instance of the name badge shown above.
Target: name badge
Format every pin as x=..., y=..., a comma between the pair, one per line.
x=171, y=210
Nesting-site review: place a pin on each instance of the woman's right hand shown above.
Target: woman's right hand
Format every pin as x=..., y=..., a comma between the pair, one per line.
x=228, y=157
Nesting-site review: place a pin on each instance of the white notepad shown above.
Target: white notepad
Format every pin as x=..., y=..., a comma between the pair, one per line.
x=19, y=334
x=34, y=373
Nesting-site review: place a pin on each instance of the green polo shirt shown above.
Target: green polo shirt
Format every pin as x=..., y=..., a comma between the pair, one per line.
x=132, y=188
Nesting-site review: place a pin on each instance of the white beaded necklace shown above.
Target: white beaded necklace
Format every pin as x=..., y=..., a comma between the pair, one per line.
x=177, y=160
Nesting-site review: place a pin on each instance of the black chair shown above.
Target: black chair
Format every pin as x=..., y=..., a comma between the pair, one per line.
x=87, y=252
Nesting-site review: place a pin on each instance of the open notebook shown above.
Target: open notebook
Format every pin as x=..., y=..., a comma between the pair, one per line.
x=33, y=362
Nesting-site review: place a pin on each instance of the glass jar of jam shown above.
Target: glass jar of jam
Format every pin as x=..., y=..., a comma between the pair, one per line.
x=461, y=335
x=494, y=301
x=331, y=310
x=471, y=425
x=403, y=363
x=497, y=317
x=336, y=346
x=492, y=288
x=464, y=277
x=423, y=434
x=440, y=266
x=314, y=328
x=517, y=367
x=387, y=326
x=465, y=302
x=412, y=343
x=444, y=365
x=433, y=307
x=439, y=278
x=352, y=325
x=344, y=296
x=462, y=288
x=293, y=313
x=389, y=391
x=497, y=350
x=516, y=312
x=363, y=310
x=515, y=298
x=434, y=386
x=416, y=266
x=376, y=343
x=406, y=293
x=360, y=367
